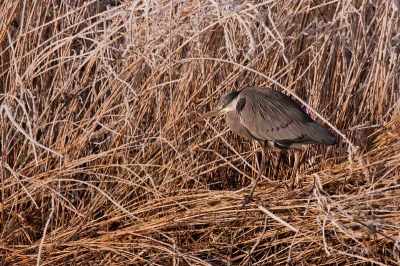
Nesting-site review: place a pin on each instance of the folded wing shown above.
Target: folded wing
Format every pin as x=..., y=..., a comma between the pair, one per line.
x=271, y=115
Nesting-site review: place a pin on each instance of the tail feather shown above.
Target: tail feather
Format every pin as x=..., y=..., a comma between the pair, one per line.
x=320, y=134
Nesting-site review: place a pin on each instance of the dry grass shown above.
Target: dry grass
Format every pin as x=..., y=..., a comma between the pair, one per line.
x=102, y=165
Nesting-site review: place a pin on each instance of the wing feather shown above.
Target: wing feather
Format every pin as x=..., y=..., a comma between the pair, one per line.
x=271, y=115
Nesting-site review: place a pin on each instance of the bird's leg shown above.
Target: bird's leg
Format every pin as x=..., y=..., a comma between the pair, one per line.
x=297, y=156
x=276, y=164
x=261, y=170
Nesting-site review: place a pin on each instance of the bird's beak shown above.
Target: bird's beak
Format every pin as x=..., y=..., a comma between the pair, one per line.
x=212, y=113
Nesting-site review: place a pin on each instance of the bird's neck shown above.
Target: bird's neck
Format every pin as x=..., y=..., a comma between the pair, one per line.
x=232, y=105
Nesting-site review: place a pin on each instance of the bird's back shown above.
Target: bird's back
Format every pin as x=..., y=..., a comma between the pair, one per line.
x=270, y=115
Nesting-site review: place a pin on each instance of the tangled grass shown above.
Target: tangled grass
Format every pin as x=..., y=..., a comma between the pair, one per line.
x=101, y=163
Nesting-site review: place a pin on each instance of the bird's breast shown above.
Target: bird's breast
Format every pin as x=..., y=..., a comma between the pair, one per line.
x=234, y=124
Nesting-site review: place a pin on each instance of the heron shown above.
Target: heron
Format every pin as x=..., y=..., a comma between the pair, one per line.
x=272, y=119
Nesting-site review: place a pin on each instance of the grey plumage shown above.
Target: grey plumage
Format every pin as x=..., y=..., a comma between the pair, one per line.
x=271, y=118
x=271, y=115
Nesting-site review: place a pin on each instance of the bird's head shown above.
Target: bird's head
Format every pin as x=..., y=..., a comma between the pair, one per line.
x=226, y=104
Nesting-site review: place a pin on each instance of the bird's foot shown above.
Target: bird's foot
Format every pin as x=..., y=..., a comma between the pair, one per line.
x=291, y=185
x=247, y=200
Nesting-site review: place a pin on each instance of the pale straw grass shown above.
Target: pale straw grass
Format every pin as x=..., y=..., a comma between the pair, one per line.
x=102, y=163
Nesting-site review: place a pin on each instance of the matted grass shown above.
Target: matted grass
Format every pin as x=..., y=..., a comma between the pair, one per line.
x=101, y=163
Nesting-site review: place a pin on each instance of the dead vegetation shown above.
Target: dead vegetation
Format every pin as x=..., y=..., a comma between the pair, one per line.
x=102, y=165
